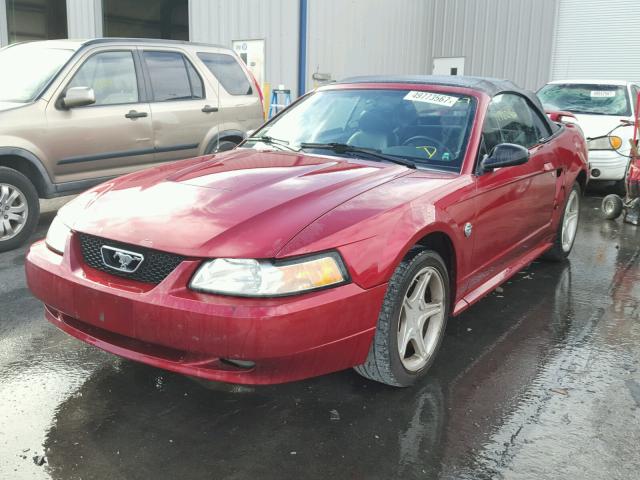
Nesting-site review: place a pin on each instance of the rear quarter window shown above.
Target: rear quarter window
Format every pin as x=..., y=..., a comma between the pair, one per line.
x=228, y=72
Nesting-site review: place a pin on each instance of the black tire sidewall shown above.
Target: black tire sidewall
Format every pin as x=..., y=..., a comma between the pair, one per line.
x=17, y=179
x=618, y=209
x=224, y=146
x=418, y=262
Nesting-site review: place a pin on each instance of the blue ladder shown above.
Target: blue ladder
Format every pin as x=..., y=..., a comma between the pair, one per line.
x=278, y=104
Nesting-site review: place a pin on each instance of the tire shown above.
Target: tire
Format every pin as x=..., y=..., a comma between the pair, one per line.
x=223, y=146
x=19, y=209
x=562, y=245
x=384, y=363
x=611, y=207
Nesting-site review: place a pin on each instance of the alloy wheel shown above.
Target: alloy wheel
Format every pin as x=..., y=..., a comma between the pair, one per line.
x=570, y=221
x=14, y=211
x=422, y=321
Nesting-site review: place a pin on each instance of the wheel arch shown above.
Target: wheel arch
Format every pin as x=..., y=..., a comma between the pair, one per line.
x=30, y=166
x=225, y=135
x=582, y=180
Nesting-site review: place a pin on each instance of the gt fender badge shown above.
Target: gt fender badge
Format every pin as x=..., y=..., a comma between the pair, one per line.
x=468, y=228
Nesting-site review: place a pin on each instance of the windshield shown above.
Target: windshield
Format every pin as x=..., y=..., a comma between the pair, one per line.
x=26, y=70
x=426, y=128
x=589, y=99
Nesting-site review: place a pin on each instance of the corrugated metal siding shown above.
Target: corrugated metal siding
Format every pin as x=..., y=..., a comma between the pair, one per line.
x=501, y=38
x=84, y=18
x=4, y=34
x=275, y=21
x=597, y=39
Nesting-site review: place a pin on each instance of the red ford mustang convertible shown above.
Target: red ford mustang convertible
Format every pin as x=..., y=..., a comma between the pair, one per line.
x=341, y=234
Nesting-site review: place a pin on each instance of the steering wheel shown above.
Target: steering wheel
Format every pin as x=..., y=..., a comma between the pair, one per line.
x=424, y=141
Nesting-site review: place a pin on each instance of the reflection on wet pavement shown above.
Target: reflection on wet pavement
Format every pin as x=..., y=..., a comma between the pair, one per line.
x=540, y=380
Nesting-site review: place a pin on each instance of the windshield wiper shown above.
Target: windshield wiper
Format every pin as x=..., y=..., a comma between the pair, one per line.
x=344, y=148
x=272, y=141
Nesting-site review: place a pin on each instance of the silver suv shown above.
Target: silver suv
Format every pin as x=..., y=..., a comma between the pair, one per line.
x=76, y=113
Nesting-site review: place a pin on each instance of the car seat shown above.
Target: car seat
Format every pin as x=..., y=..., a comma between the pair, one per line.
x=373, y=132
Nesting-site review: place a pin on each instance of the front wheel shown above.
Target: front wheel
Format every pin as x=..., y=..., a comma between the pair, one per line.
x=412, y=321
x=568, y=228
x=19, y=209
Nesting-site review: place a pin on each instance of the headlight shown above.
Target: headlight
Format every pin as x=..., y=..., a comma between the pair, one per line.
x=57, y=235
x=266, y=278
x=611, y=142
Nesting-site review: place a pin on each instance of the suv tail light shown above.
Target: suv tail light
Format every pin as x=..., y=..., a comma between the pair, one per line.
x=255, y=83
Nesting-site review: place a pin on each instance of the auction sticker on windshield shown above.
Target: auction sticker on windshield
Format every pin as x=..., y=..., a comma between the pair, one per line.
x=603, y=93
x=430, y=97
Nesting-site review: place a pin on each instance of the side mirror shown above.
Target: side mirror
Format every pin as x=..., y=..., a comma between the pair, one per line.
x=79, y=97
x=505, y=155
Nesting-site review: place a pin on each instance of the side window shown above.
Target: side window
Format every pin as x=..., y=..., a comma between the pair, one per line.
x=510, y=119
x=112, y=75
x=228, y=72
x=172, y=77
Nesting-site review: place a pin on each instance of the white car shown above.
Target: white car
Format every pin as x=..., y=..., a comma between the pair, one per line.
x=599, y=107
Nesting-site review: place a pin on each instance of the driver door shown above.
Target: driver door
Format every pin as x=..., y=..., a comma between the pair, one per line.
x=514, y=204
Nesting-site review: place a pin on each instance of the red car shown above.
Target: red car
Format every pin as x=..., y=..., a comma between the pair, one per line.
x=342, y=234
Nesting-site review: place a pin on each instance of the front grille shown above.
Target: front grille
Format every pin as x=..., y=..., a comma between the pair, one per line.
x=155, y=267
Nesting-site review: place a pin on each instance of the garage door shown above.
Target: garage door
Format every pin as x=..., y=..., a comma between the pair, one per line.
x=597, y=39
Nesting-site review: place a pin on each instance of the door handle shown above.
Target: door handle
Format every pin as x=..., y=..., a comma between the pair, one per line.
x=548, y=167
x=209, y=109
x=134, y=114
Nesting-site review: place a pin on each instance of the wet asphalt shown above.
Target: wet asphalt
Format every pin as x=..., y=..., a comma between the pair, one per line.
x=540, y=380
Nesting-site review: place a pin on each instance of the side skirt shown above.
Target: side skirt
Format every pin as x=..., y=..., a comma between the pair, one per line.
x=498, y=279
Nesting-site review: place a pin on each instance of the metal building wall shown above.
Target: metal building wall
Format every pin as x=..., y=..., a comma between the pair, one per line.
x=500, y=38
x=275, y=21
x=597, y=39
x=4, y=34
x=84, y=18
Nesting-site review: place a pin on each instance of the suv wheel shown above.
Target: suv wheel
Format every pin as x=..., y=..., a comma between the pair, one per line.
x=19, y=209
x=222, y=146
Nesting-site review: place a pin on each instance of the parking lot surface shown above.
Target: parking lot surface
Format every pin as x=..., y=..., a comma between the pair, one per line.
x=539, y=380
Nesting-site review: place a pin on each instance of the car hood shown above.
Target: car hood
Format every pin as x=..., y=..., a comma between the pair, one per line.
x=244, y=203
x=598, y=125
x=10, y=105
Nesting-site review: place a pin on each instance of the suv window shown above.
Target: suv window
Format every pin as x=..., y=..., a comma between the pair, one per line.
x=173, y=77
x=228, y=72
x=112, y=75
x=510, y=119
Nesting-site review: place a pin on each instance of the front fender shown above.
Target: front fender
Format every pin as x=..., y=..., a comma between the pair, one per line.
x=375, y=230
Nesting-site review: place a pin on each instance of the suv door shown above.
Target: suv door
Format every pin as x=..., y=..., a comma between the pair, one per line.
x=109, y=137
x=183, y=109
x=514, y=204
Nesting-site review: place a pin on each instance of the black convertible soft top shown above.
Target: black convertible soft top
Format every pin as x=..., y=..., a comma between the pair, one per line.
x=488, y=85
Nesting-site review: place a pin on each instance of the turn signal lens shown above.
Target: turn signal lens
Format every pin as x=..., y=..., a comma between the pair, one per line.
x=605, y=143
x=57, y=235
x=266, y=278
x=615, y=142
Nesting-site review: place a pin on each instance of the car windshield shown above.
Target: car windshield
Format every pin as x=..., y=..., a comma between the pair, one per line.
x=424, y=128
x=591, y=99
x=26, y=70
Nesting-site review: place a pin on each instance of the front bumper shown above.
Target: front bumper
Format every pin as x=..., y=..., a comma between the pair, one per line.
x=610, y=165
x=171, y=327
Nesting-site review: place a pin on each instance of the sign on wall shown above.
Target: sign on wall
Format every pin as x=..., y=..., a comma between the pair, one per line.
x=252, y=53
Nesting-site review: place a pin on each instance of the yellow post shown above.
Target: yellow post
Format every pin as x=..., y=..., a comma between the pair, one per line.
x=266, y=92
